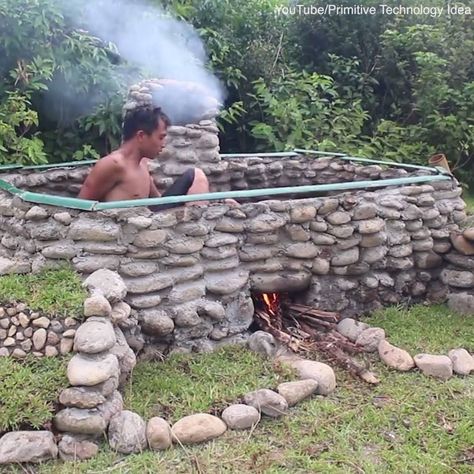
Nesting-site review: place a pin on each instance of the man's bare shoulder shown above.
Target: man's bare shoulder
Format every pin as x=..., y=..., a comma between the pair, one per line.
x=107, y=173
x=113, y=161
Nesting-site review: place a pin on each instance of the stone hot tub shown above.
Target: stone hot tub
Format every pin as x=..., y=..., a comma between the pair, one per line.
x=191, y=272
x=339, y=233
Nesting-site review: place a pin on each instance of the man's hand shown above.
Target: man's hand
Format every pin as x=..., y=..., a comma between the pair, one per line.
x=153, y=189
x=231, y=202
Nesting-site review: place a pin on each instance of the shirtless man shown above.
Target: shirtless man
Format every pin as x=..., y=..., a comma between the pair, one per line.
x=124, y=174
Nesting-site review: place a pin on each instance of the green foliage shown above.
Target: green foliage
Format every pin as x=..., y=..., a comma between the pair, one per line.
x=231, y=115
x=401, y=86
x=245, y=42
x=61, y=88
x=398, y=87
x=429, y=81
x=187, y=384
x=305, y=110
x=469, y=199
x=16, y=120
x=29, y=391
x=392, y=141
x=56, y=292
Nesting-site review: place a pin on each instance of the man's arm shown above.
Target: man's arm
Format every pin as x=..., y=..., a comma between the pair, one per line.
x=103, y=177
x=153, y=189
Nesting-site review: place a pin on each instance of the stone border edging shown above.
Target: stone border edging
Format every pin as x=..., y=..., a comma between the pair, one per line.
x=103, y=359
x=373, y=339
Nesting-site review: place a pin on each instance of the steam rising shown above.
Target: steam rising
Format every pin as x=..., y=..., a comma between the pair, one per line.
x=151, y=39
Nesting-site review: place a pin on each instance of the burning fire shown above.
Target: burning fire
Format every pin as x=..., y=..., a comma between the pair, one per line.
x=272, y=302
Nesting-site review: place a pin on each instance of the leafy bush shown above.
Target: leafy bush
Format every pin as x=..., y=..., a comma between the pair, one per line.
x=429, y=78
x=389, y=86
x=61, y=88
x=16, y=120
x=305, y=110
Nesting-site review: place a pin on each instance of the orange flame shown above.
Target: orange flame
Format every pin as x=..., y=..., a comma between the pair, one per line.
x=267, y=299
x=272, y=302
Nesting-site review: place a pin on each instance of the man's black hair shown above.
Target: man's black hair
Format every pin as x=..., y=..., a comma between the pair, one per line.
x=142, y=118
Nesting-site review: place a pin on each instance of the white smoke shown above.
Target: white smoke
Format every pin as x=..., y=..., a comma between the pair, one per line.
x=146, y=36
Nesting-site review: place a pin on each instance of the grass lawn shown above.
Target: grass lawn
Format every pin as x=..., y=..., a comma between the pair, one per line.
x=29, y=390
x=408, y=423
x=188, y=384
x=56, y=292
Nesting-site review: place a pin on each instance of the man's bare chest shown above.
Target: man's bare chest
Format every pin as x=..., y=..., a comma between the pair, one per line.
x=136, y=182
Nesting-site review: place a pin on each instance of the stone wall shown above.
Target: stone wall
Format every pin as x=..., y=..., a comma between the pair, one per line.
x=23, y=331
x=190, y=271
x=197, y=145
x=271, y=172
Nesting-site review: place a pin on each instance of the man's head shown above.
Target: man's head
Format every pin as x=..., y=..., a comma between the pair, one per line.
x=147, y=126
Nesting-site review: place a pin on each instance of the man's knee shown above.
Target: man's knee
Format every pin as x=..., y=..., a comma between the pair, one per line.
x=200, y=184
x=200, y=177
